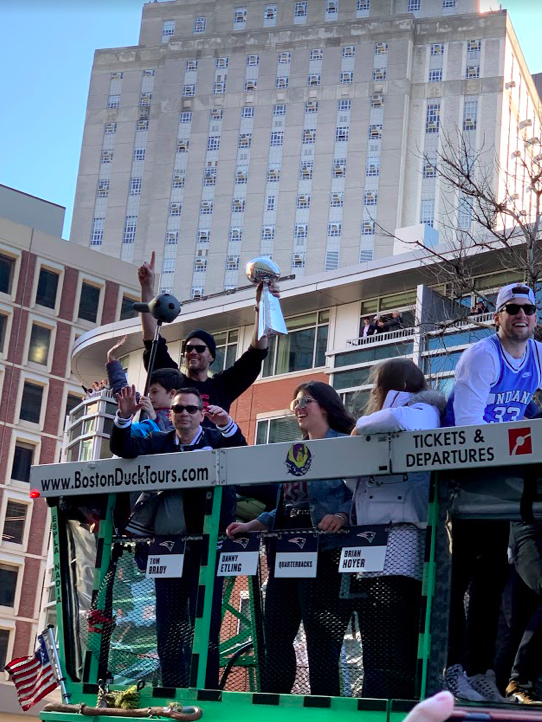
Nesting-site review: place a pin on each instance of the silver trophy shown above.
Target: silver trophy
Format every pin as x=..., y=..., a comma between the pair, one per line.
x=270, y=318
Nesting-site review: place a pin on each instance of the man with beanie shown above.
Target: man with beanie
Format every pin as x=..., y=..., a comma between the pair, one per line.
x=199, y=350
x=495, y=380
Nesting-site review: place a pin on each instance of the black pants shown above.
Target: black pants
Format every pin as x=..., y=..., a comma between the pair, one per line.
x=526, y=542
x=388, y=610
x=479, y=566
x=325, y=617
x=176, y=603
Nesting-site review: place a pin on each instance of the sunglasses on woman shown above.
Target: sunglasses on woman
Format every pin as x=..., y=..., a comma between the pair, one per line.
x=300, y=403
x=512, y=309
x=179, y=408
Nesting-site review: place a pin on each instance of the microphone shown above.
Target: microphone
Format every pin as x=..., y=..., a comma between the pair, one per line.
x=164, y=307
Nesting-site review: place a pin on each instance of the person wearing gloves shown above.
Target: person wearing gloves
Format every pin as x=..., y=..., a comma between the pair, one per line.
x=322, y=505
x=388, y=602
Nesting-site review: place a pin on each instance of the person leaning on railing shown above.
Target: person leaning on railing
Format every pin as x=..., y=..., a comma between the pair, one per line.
x=388, y=602
x=322, y=505
x=496, y=379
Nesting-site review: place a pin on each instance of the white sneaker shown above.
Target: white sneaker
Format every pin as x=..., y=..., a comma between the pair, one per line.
x=486, y=686
x=457, y=682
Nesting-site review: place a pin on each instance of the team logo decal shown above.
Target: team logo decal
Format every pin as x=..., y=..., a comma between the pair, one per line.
x=298, y=460
x=243, y=541
x=369, y=535
x=168, y=545
x=299, y=540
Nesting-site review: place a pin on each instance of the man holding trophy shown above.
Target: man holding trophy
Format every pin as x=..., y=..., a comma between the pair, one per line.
x=199, y=349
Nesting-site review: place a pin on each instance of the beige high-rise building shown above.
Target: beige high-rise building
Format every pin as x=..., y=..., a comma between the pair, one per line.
x=290, y=129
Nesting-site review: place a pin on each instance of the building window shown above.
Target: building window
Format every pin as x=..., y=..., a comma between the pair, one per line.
x=344, y=105
x=339, y=168
x=135, y=186
x=313, y=79
x=31, y=402
x=303, y=348
x=139, y=154
x=279, y=109
x=346, y=77
x=247, y=112
x=110, y=128
x=298, y=260
x=448, y=3
x=130, y=225
x=372, y=167
x=284, y=58
x=168, y=29
x=269, y=16
x=272, y=431
x=3, y=324
x=175, y=209
x=311, y=106
x=437, y=49
x=199, y=25
x=206, y=208
x=429, y=168
x=367, y=228
x=375, y=131
x=183, y=145
x=47, y=288
x=379, y=73
x=309, y=136
x=89, y=302
x=473, y=71
x=253, y=61
x=273, y=175
x=470, y=113
x=435, y=75
x=238, y=205
x=341, y=133
x=334, y=230
x=185, y=117
x=103, y=188
x=300, y=231
x=107, y=156
x=40, y=341
x=8, y=584
x=432, y=122
x=232, y=263
x=464, y=218
x=172, y=238
x=245, y=140
x=241, y=175
x=332, y=10
x=381, y=48
x=362, y=5
x=268, y=233
x=213, y=142
x=300, y=11
x=370, y=198
x=113, y=101
x=145, y=100
x=281, y=83
x=191, y=65
x=427, y=211
x=349, y=51
x=23, y=458
x=414, y=5
x=72, y=401
x=336, y=200
x=377, y=100
x=14, y=522
x=316, y=54
x=305, y=170
x=236, y=234
x=209, y=175
x=303, y=201
x=189, y=90
x=277, y=138
x=97, y=233
x=270, y=203
x=239, y=18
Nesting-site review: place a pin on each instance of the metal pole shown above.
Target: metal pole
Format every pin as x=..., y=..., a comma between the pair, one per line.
x=152, y=357
x=49, y=638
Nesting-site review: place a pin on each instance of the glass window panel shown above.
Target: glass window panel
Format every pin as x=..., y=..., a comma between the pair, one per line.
x=4, y=641
x=295, y=351
x=369, y=306
x=321, y=346
x=72, y=401
x=38, y=349
x=8, y=584
x=218, y=363
x=88, y=304
x=261, y=432
x=76, y=431
x=126, y=310
x=445, y=385
x=86, y=450
x=47, y=288
x=105, y=451
x=347, y=379
x=108, y=426
x=375, y=353
x=90, y=425
x=269, y=361
x=356, y=401
x=497, y=279
x=3, y=323
x=73, y=453
x=221, y=338
x=323, y=316
x=233, y=336
x=458, y=339
x=300, y=321
x=7, y=266
x=231, y=354
x=285, y=428
x=388, y=303
x=31, y=402
x=22, y=461
x=14, y=522
x=441, y=363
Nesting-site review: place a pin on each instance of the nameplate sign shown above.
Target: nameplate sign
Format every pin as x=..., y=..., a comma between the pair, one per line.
x=166, y=558
x=239, y=557
x=296, y=555
x=364, y=550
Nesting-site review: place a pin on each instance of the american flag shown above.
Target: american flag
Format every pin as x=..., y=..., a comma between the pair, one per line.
x=33, y=676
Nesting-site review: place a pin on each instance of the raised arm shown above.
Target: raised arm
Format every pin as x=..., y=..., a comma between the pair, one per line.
x=145, y=275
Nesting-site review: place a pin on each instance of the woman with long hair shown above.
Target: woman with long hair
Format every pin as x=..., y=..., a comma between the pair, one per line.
x=388, y=602
x=323, y=505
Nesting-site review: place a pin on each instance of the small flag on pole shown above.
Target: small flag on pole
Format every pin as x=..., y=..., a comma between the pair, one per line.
x=33, y=676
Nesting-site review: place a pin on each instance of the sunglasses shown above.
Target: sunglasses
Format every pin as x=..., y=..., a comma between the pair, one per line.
x=179, y=408
x=512, y=309
x=301, y=403
x=197, y=347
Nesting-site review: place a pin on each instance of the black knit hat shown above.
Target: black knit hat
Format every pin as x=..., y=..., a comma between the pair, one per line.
x=205, y=337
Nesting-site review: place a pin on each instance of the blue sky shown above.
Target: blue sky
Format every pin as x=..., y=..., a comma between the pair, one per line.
x=46, y=50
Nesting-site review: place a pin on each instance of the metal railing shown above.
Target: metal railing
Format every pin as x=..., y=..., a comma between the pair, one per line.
x=386, y=336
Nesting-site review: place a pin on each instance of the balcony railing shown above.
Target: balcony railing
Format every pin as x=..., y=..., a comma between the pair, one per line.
x=387, y=336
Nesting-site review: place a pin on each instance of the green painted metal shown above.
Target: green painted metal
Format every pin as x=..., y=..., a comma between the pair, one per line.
x=57, y=576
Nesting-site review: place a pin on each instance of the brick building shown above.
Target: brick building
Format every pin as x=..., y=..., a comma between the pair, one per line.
x=51, y=292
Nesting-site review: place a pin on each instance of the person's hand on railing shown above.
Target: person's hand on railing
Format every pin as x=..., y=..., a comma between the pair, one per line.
x=127, y=402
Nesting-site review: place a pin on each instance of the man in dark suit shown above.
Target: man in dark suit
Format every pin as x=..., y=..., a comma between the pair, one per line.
x=178, y=512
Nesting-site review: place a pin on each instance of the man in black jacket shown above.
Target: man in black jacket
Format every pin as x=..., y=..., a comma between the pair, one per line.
x=177, y=512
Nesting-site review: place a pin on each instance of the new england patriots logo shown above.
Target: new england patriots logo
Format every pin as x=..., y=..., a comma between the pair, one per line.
x=298, y=460
x=243, y=541
x=168, y=545
x=369, y=535
x=299, y=540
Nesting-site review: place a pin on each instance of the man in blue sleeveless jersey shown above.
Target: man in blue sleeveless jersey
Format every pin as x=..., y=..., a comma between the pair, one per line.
x=495, y=382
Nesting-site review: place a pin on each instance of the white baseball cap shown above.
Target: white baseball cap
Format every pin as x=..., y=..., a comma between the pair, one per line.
x=514, y=290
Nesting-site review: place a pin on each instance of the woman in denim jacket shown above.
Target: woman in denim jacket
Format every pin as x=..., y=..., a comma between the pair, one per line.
x=322, y=505
x=388, y=602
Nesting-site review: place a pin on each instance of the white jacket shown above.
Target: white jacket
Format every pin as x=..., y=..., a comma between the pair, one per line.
x=404, y=411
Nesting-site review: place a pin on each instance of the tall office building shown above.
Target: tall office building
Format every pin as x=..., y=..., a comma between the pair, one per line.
x=296, y=130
